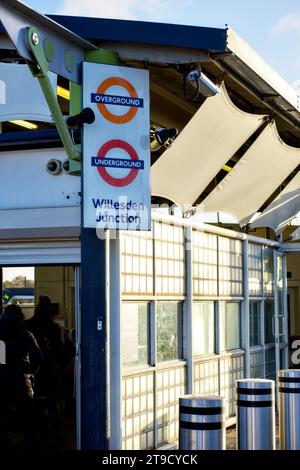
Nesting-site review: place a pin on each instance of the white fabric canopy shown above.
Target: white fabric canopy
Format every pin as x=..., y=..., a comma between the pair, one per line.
x=262, y=169
x=295, y=235
x=283, y=209
x=209, y=140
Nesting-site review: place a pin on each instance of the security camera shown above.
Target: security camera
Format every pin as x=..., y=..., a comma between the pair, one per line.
x=54, y=167
x=207, y=87
x=87, y=116
x=162, y=137
x=204, y=85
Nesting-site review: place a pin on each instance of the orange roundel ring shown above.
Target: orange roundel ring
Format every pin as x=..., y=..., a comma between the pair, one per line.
x=113, y=81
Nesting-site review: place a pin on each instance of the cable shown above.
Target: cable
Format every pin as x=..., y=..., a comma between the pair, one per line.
x=193, y=76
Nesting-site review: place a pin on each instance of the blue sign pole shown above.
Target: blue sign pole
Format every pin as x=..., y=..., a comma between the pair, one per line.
x=93, y=342
x=94, y=393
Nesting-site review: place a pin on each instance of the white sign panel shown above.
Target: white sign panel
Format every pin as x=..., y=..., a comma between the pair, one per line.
x=116, y=153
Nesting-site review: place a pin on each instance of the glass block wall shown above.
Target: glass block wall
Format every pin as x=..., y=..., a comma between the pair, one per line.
x=169, y=259
x=230, y=267
x=205, y=264
x=138, y=411
x=171, y=384
x=257, y=364
x=206, y=376
x=268, y=266
x=154, y=313
x=255, y=270
x=231, y=369
x=137, y=263
x=270, y=364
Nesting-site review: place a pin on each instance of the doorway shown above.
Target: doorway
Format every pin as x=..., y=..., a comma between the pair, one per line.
x=27, y=286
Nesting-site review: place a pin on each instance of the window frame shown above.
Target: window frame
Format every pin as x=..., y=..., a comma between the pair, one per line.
x=269, y=300
x=225, y=349
x=260, y=332
x=180, y=326
x=127, y=366
x=213, y=303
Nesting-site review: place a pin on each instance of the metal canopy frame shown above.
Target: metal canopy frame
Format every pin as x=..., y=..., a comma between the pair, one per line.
x=46, y=45
x=191, y=44
x=17, y=17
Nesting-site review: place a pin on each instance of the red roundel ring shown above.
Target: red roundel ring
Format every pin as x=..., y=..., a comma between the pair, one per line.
x=121, y=144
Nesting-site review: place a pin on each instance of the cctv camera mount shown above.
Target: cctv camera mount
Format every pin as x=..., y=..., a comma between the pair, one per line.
x=162, y=137
x=204, y=86
x=87, y=116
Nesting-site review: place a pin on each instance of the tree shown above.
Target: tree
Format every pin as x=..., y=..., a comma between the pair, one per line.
x=18, y=282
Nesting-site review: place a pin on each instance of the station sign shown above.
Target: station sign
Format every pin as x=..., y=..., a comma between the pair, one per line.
x=116, y=148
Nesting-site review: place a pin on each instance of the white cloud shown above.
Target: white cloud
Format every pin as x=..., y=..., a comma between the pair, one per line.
x=288, y=23
x=151, y=10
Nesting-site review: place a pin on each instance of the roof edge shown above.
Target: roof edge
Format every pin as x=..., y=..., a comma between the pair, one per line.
x=241, y=49
x=176, y=35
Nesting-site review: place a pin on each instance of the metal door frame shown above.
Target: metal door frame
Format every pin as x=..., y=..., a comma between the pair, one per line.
x=77, y=366
x=78, y=356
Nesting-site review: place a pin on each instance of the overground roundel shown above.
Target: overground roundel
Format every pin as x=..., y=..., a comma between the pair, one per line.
x=117, y=81
x=121, y=144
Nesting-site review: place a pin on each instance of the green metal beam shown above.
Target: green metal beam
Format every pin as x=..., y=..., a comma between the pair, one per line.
x=102, y=56
x=40, y=71
x=75, y=108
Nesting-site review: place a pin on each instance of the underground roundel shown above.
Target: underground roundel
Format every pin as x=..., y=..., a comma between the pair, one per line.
x=103, y=162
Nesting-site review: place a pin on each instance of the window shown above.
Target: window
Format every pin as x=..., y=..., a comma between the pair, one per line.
x=169, y=331
x=230, y=326
x=135, y=334
x=255, y=329
x=203, y=328
x=269, y=314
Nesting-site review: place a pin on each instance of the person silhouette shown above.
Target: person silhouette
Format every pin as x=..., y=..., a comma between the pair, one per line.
x=22, y=360
x=49, y=379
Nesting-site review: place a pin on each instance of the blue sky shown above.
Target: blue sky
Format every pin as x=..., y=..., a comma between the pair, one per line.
x=271, y=27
